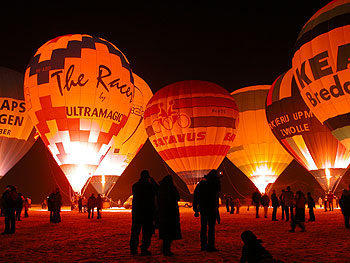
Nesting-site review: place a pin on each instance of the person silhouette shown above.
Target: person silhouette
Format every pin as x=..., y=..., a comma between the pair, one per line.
x=168, y=214
x=205, y=200
x=252, y=250
x=143, y=213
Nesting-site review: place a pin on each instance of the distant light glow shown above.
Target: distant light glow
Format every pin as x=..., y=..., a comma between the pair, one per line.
x=262, y=176
x=78, y=177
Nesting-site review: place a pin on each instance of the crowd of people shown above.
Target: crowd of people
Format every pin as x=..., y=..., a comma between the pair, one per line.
x=155, y=206
x=12, y=204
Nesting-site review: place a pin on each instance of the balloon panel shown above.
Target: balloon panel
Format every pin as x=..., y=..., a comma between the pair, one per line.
x=320, y=67
x=303, y=136
x=255, y=150
x=192, y=124
x=79, y=92
x=16, y=129
x=130, y=139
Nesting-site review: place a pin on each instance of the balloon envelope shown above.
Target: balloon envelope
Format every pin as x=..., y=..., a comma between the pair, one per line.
x=255, y=151
x=17, y=133
x=321, y=70
x=191, y=124
x=303, y=136
x=126, y=144
x=79, y=92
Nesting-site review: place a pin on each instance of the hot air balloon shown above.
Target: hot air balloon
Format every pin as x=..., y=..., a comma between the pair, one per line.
x=126, y=144
x=192, y=125
x=321, y=70
x=79, y=93
x=303, y=136
x=17, y=133
x=256, y=151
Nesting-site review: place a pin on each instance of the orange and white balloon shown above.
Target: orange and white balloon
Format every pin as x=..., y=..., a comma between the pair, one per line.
x=255, y=151
x=17, y=133
x=192, y=125
x=321, y=67
x=79, y=93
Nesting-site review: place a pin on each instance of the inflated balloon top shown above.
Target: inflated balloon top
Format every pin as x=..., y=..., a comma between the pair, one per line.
x=17, y=133
x=192, y=125
x=79, y=93
x=321, y=67
x=303, y=136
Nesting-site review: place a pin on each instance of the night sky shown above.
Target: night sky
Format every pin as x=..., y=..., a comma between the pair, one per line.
x=234, y=44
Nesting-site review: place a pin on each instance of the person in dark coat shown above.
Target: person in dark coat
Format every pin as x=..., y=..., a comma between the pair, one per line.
x=205, y=201
x=57, y=206
x=289, y=203
x=311, y=205
x=299, y=217
x=91, y=205
x=8, y=203
x=275, y=204
x=265, y=202
x=143, y=213
x=344, y=204
x=283, y=206
x=232, y=205
x=80, y=204
x=253, y=251
x=256, y=199
x=19, y=206
x=168, y=214
x=51, y=204
x=227, y=202
x=99, y=205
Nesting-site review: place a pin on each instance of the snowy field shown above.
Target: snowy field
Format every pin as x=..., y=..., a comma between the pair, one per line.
x=79, y=239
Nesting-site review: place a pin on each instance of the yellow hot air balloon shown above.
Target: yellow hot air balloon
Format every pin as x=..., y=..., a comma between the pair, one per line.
x=79, y=92
x=321, y=67
x=17, y=133
x=192, y=125
x=303, y=136
x=256, y=151
x=126, y=144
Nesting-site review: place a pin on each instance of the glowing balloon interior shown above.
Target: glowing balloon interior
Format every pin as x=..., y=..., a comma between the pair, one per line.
x=321, y=67
x=255, y=151
x=192, y=125
x=17, y=133
x=303, y=136
x=128, y=142
x=79, y=92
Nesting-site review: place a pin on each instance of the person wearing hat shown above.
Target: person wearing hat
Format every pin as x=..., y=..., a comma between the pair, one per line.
x=143, y=210
x=8, y=203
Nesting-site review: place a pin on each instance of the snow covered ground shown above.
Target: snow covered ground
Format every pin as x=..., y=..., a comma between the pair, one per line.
x=79, y=239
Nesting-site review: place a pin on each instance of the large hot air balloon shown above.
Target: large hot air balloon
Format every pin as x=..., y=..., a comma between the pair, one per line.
x=192, y=125
x=303, y=136
x=79, y=92
x=17, y=133
x=256, y=151
x=321, y=67
x=126, y=144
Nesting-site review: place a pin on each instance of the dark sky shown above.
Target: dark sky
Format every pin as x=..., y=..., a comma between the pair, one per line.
x=232, y=43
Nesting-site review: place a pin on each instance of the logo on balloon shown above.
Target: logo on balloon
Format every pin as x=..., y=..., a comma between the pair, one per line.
x=169, y=118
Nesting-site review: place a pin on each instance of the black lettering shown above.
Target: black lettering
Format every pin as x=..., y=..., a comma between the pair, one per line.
x=324, y=94
x=311, y=99
x=343, y=57
x=318, y=65
x=336, y=89
x=22, y=106
x=302, y=77
x=101, y=76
